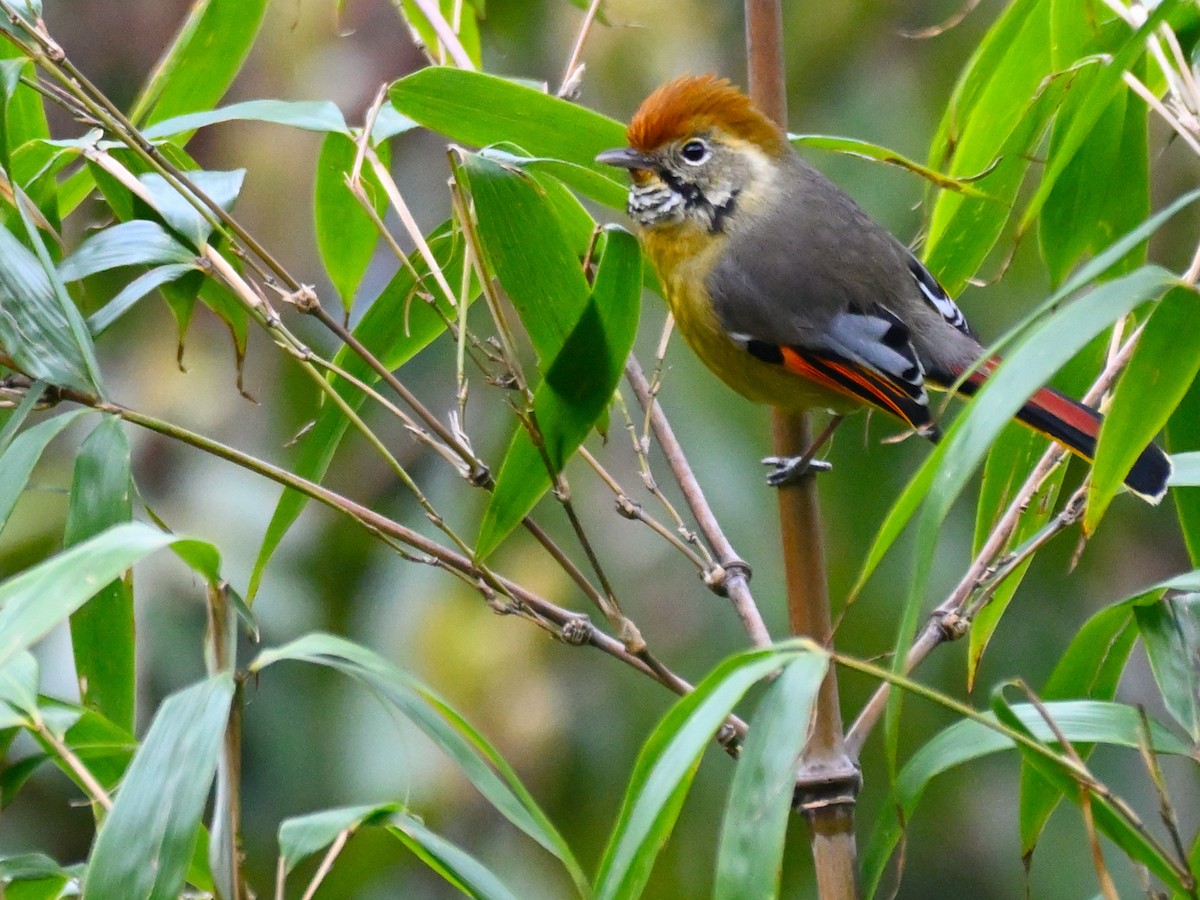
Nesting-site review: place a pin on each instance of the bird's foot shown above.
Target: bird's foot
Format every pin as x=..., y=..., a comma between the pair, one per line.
x=787, y=470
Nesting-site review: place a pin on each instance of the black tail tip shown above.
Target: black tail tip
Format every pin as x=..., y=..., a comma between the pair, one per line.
x=1149, y=476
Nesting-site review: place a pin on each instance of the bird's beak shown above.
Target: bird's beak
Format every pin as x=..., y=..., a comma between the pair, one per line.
x=625, y=158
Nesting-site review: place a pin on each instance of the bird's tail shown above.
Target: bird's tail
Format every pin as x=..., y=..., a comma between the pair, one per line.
x=1076, y=427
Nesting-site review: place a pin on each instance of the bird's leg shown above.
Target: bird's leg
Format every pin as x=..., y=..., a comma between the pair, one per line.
x=787, y=470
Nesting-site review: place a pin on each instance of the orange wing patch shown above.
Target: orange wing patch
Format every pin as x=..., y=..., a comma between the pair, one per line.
x=858, y=381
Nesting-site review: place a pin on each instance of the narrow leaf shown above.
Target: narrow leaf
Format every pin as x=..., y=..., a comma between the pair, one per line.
x=667, y=763
x=1080, y=721
x=134, y=243
x=1163, y=365
x=34, y=327
x=100, y=320
x=346, y=234
x=145, y=844
x=477, y=109
x=1124, y=830
x=302, y=836
x=205, y=57
x=1170, y=629
x=547, y=288
x=102, y=630
x=397, y=326
x=455, y=865
x=307, y=115
x=34, y=601
x=18, y=460
x=180, y=213
x=1083, y=214
x=480, y=762
x=579, y=383
x=750, y=854
x=1091, y=667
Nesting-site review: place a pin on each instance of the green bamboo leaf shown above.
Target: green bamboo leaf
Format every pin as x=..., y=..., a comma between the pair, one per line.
x=14, y=419
x=1163, y=365
x=398, y=325
x=24, y=115
x=997, y=114
x=134, y=243
x=667, y=763
x=145, y=844
x=878, y=153
x=587, y=181
x=102, y=630
x=578, y=385
x=102, y=318
x=1083, y=214
x=451, y=862
x=1091, y=667
x=179, y=213
x=480, y=762
x=1044, y=349
x=1085, y=107
x=388, y=124
x=19, y=458
x=19, y=680
x=35, y=600
x=750, y=854
x=33, y=876
x=36, y=330
x=1170, y=630
x=302, y=836
x=1080, y=721
x=477, y=109
x=1009, y=462
x=306, y=115
x=1060, y=770
x=346, y=234
x=201, y=63
x=548, y=287
x=102, y=746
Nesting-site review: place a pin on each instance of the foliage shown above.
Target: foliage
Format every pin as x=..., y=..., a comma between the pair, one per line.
x=544, y=351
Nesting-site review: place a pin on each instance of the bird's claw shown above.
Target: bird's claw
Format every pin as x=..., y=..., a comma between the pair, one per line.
x=790, y=469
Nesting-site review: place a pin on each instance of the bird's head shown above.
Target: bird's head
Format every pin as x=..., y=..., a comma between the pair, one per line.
x=698, y=149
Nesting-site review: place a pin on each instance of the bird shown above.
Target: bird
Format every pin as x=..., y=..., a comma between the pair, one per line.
x=791, y=293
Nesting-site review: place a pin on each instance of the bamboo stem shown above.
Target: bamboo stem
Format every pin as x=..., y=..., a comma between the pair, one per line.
x=827, y=780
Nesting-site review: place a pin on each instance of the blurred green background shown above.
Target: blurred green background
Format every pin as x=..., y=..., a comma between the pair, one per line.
x=570, y=720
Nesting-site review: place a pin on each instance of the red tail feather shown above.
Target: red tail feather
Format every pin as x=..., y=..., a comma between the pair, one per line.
x=1077, y=427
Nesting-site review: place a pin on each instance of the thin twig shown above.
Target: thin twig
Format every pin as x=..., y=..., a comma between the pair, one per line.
x=736, y=581
x=631, y=509
x=94, y=788
x=331, y=854
x=573, y=628
x=1166, y=810
x=1084, y=777
x=641, y=447
x=573, y=71
x=445, y=34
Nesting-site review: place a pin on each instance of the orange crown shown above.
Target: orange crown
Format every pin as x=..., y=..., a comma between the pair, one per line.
x=696, y=103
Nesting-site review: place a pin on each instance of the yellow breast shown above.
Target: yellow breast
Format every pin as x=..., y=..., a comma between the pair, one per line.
x=683, y=255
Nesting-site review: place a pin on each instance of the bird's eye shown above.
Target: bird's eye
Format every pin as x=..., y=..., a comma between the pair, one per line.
x=695, y=152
